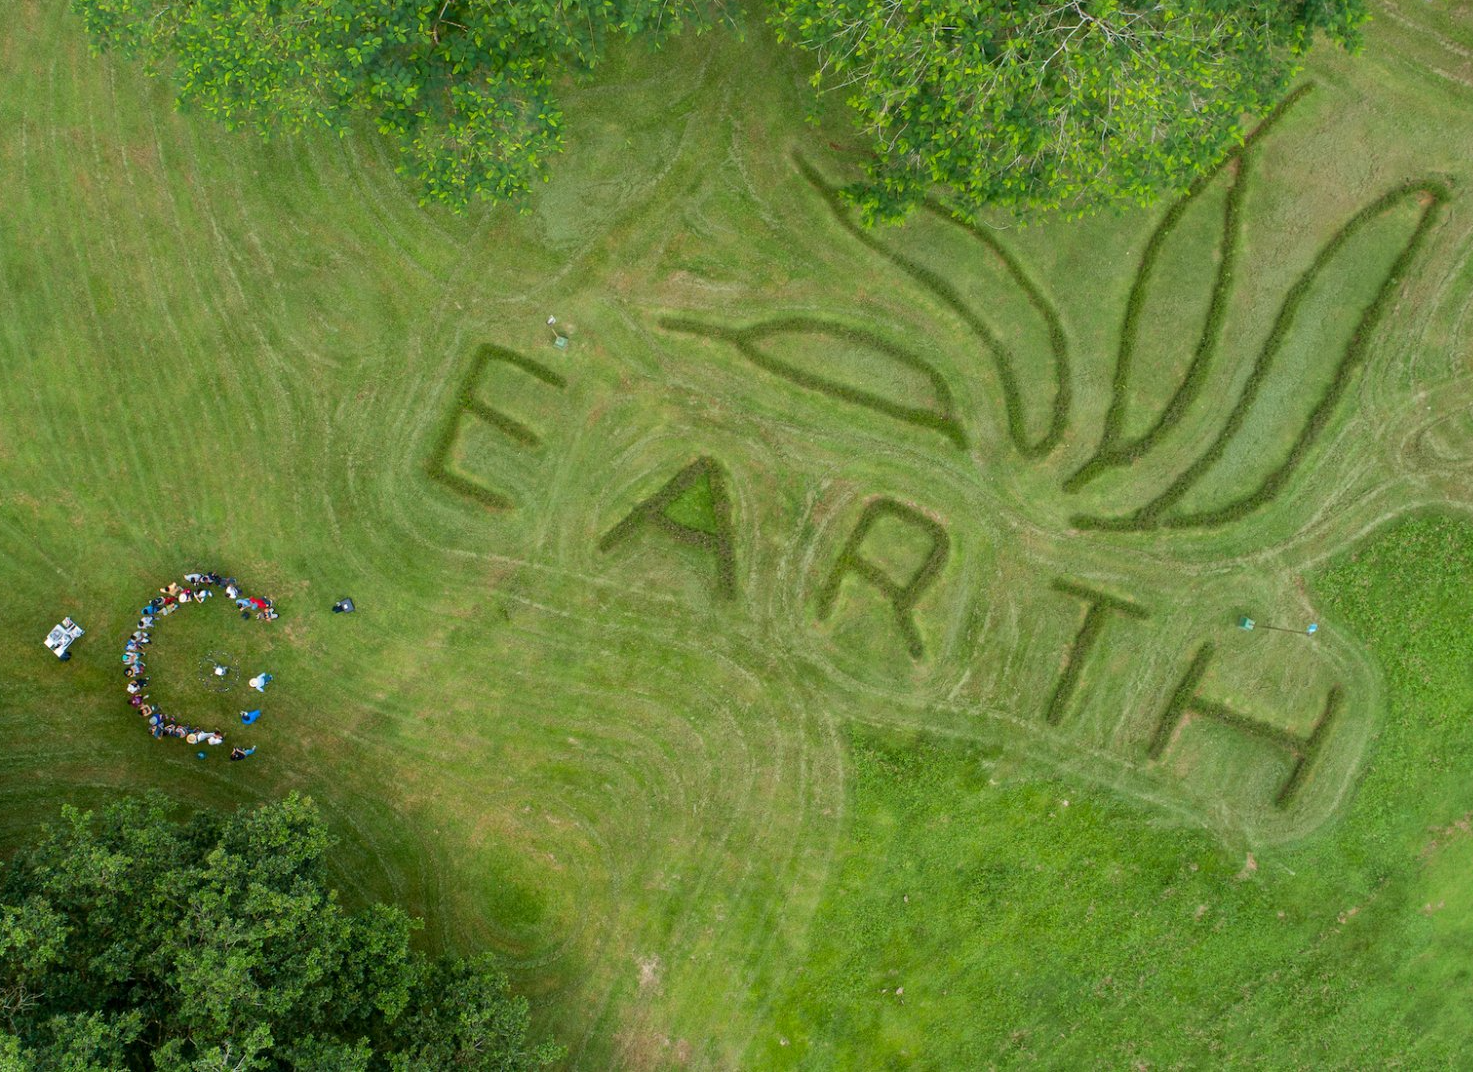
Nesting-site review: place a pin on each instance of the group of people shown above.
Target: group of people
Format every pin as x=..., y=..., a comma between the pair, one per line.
x=197, y=588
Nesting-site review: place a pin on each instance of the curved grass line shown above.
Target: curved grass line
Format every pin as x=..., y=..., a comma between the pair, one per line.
x=1058, y=340
x=1151, y=514
x=947, y=294
x=1114, y=450
x=1353, y=358
x=942, y=420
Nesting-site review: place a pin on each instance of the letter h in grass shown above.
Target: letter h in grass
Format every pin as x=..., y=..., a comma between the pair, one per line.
x=1185, y=700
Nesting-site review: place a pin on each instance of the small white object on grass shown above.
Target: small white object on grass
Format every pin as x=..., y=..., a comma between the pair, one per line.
x=61, y=637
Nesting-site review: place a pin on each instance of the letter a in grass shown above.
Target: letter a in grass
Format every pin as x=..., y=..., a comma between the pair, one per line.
x=692, y=508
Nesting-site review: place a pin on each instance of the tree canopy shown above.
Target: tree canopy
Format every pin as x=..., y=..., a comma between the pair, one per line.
x=462, y=87
x=1043, y=104
x=130, y=940
x=1028, y=105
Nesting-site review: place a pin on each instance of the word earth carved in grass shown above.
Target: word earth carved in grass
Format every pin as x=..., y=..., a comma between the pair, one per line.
x=679, y=511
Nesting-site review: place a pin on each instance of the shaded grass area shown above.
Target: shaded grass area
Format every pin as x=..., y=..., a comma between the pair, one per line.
x=982, y=917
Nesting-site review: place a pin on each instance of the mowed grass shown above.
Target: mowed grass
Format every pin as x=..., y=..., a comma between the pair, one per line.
x=690, y=822
x=983, y=916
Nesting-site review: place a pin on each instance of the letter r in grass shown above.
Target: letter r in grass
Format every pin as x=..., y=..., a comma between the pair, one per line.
x=901, y=595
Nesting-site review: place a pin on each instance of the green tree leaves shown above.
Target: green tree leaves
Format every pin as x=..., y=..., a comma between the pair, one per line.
x=1042, y=104
x=461, y=86
x=1027, y=104
x=461, y=1015
x=129, y=940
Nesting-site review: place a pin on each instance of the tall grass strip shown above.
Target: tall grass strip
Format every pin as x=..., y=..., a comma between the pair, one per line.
x=948, y=296
x=1154, y=514
x=1099, y=607
x=440, y=466
x=1113, y=449
x=1334, y=701
x=654, y=512
x=1352, y=359
x=940, y=418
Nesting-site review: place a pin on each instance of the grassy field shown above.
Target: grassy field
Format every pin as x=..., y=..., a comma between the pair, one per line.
x=829, y=659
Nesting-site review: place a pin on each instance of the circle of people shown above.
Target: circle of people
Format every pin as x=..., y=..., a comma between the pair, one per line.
x=197, y=588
